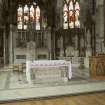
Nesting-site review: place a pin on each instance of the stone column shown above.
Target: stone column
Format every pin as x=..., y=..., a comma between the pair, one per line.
x=59, y=14
x=61, y=47
x=104, y=22
x=100, y=29
x=11, y=45
x=49, y=43
x=4, y=42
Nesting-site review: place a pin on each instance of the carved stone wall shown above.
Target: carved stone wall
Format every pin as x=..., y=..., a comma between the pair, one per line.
x=100, y=26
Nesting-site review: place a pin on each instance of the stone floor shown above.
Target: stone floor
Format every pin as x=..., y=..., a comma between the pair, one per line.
x=14, y=80
x=13, y=85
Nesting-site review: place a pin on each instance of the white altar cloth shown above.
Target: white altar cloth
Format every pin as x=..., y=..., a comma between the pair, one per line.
x=46, y=64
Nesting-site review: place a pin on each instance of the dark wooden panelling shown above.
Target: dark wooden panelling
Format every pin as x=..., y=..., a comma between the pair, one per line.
x=97, y=67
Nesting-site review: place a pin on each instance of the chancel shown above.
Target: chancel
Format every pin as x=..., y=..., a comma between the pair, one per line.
x=48, y=46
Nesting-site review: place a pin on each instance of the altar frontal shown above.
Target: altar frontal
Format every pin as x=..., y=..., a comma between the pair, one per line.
x=44, y=65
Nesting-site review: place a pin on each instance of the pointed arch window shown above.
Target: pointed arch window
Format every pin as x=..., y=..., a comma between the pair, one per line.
x=37, y=18
x=20, y=17
x=32, y=15
x=28, y=15
x=71, y=14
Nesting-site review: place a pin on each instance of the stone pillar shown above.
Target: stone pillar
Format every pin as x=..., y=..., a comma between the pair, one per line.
x=4, y=43
x=61, y=47
x=59, y=14
x=100, y=27
x=104, y=22
x=11, y=45
x=88, y=43
x=49, y=43
x=88, y=48
x=53, y=45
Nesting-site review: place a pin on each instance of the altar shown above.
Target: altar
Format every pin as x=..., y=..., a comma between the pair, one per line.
x=44, y=65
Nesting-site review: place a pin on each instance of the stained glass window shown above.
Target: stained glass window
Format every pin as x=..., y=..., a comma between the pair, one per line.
x=37, y=18
x=71, y=14
x=19, y=17
x=32, y=13
x=28, y=15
